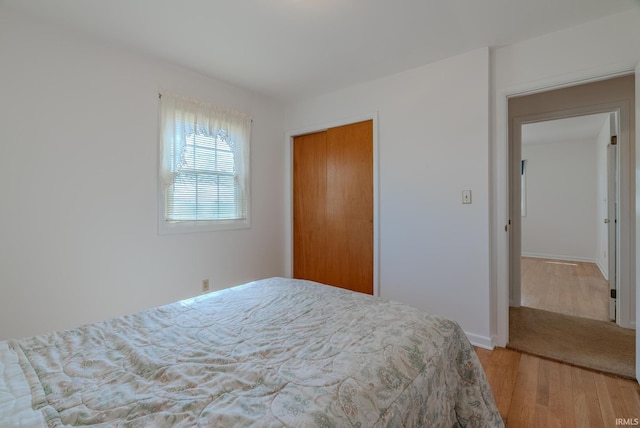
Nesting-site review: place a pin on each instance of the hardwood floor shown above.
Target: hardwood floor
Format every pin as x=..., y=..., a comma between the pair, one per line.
x=571, y=288
x=534, y=392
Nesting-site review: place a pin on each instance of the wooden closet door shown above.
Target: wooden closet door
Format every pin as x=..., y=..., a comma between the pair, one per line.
x=309, y=206
x=340, y=175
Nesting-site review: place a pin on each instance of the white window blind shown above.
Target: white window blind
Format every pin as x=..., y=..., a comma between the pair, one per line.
x=204, y=163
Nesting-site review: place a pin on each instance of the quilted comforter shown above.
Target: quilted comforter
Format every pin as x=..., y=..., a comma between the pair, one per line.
x=275, y=352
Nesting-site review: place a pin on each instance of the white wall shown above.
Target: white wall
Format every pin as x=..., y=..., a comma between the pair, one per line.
x=97, y=253
x=78, y=156
x=561, y=193
x=433, y=143
x=593, y=50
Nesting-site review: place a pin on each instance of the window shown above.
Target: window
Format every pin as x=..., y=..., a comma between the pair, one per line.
x=204, y=166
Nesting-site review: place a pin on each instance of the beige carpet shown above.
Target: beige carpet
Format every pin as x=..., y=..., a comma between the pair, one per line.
x=597, y=345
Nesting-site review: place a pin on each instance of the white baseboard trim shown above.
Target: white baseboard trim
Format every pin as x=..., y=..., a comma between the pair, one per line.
x=603, y=270
x=560, y=257
x=496, y=343
x=480, y=341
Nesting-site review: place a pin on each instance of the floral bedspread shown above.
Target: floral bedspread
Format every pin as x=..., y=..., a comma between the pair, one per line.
x=275, y=352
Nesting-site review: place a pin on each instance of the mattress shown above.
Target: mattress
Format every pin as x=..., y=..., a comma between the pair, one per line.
x=274, y=352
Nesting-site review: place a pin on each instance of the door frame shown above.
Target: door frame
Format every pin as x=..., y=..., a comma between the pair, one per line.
x=289, y=136
x=556, y=104
x=613, y=177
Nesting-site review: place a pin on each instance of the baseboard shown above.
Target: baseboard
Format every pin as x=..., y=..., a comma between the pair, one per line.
x=560, y=257
x=480, y=341
x=497, y=343
x=603, y=270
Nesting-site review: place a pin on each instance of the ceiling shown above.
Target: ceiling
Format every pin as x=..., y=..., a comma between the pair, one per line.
x=293, y=49
x=581, y=128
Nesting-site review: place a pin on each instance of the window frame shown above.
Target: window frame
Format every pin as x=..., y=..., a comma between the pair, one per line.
x=195, y=226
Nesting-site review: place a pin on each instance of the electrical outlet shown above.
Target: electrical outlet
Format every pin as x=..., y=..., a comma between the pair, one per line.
x=205, y=285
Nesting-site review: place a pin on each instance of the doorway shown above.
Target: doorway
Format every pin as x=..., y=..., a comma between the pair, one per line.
x=617, y=96
x=612, y=95
x=568, y=182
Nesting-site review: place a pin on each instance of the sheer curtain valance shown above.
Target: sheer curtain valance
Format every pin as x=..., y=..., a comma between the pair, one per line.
x=180, y=117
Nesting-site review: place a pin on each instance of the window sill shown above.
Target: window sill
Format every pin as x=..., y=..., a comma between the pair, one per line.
x=169, y=228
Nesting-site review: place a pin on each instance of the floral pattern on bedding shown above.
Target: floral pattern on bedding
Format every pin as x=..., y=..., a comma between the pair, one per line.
x=275, y=352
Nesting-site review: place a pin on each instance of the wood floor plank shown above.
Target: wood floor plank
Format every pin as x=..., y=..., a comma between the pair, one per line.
x=555, y=396
x=509, y=363
x=630, y=392
x=605, y=399
x=542, y=392
x=579, y=399
x=541, y=416
x=568, y=416
x=519, y=396
x=522, y=413
x=615, y=395
x=535, y=392
x=594, y=410
x=568, y=287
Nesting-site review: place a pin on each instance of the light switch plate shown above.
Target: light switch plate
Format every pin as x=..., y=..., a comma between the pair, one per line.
x=466, y=196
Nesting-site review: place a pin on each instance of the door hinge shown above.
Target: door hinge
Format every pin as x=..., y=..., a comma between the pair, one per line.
x=613, y=293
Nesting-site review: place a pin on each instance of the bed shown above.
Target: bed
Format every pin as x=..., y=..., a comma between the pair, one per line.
x=274, y=352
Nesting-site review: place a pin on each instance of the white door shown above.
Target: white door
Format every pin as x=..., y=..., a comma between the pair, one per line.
x=612, y=220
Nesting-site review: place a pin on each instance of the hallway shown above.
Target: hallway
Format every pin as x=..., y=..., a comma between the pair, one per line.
x=566, y=287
